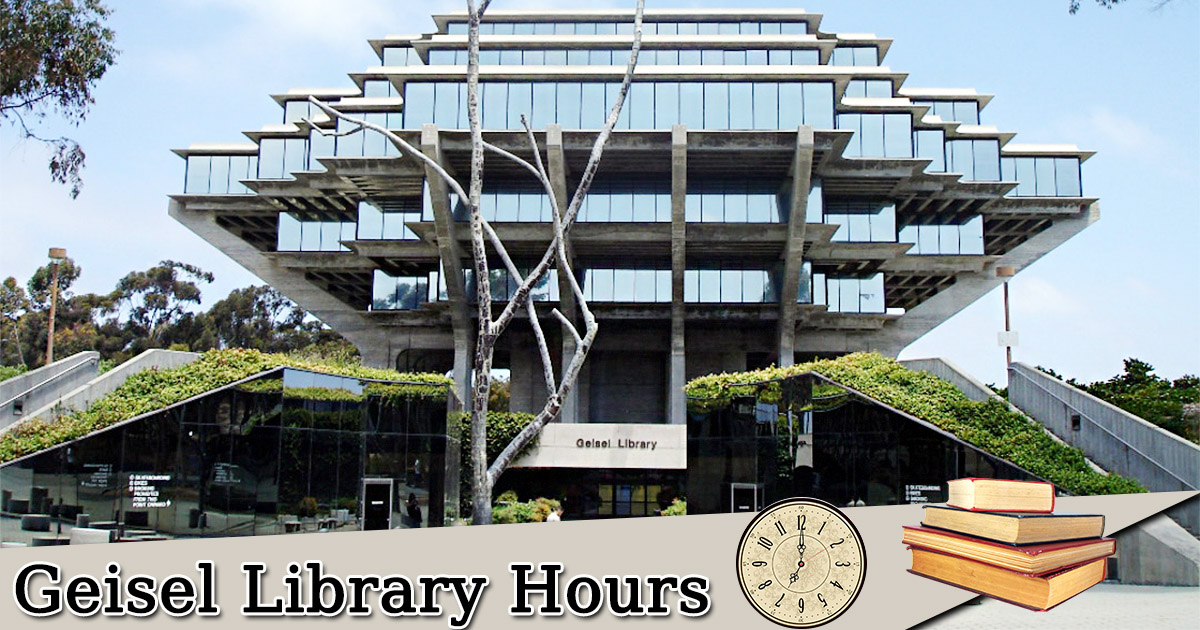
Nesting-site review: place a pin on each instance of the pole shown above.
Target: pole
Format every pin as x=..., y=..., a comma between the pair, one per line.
x=1007, y=327
x=53, y=305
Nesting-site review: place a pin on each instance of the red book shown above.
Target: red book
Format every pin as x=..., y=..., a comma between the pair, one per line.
x=1031, y=559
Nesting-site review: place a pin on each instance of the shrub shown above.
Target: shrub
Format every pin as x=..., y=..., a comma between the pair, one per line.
x=9, y=371
x=678, y=507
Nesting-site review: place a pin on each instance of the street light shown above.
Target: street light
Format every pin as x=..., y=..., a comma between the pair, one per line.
x=56, y=254
x=1008, y=338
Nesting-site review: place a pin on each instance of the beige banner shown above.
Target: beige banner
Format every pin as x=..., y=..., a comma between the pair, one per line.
x=681, y=546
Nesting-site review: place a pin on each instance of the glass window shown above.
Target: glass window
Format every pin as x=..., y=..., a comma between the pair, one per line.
x=445, y=113
x=716, y=105
x=456, y=28
x=289, y=233
x=397, y=56
x=712, y=57
x=931, y=146
x=818, y=105
x=370, y=221
x=270, y=158
x=494, y=99
x=778, y=57
x=1066, y=177
x=577, y=57
x=668, y=28
x=735, y=58
x=793, y=28
x=418, y=104
x=690, y=58
x=966, y=112
x=898, y=136
x=556, y=57
x=520, y=103
x=198, y=167
x=806, y=57
x=766, y=105
x=666, y=104
x=510, y=57
x=756, y=57
x=689, y=28
x=710, y=285
x=691, y=105
x=865, y=56
x=741, y=106
x=377, y=88
x=544, y=105
x=641, y=105
x=569, y=96
x=791, y=105
x=872, y=135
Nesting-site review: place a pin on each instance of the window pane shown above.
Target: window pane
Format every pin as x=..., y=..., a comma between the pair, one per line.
x=556, y=57
x=710, y=285
x=806, y=57
x=289, y=233
x=662, y=280
x=756, y=57
x=641, y=105
x=898, y=135
x=622, y=205
x=569, y=95
x=791, y=105
x=270, y=158
x=644, y=284
x=643, y=206
x=741, y=105
x=666, y=105
x=544, y=110
x=1066, y=177
x=872, y=135
x=712, y=207
x=198, y=167
x=418, y=105
x=818, y=105
x=310, y=236
x=766, y=105
x=691, y=105
x=520, y=102
x=777, y=57
x=296, y=154
x=987, y=160
x=716, y=106
x=689, y=58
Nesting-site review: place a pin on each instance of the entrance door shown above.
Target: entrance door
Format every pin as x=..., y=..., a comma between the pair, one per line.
x=377, y=504
x=745, y=497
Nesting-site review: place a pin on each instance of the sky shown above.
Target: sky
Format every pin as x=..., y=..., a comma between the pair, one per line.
x=1123, y=82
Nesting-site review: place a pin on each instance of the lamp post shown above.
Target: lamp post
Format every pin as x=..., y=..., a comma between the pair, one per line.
x=1008, y=340
x=56, y=254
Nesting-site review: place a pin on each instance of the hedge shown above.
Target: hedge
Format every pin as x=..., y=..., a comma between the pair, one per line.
x=151, y=390
x=989, y=425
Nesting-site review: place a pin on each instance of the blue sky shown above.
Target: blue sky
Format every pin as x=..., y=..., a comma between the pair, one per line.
x=1125, y=83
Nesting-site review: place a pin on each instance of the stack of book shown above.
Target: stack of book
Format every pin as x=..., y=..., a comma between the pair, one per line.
x=1003, y=539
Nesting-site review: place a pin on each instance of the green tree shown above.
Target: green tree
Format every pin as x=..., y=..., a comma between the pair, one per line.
x=158, y=297
x=1150, y=397
x=14, y=303
x=52, y=53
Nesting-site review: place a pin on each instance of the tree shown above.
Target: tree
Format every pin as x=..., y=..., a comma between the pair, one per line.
x=490, y=325
x=52, y=54
x=159, y=296
x=13, y=306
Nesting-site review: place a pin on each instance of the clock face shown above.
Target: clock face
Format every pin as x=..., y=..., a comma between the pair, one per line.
x=801, y=563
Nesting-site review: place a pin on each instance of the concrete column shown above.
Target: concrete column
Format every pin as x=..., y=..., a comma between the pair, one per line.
x=793, y=253
x=556, y=168
x=676, y=399
x=451, y=256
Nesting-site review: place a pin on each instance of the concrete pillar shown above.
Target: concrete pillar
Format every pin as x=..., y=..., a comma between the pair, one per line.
x=793, y=253
x=451, y=256
x=556, y=168
x=677, y=378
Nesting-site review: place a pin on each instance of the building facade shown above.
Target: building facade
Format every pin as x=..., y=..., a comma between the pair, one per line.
x=772, y=192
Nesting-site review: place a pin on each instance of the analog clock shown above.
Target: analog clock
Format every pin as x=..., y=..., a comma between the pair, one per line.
x=801, y=563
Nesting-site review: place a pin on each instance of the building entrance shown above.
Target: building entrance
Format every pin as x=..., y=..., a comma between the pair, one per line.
x=745, y=497
x=377, y=504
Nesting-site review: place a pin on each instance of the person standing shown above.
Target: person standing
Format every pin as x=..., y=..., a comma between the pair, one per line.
x=414, y=510
x=555, y=516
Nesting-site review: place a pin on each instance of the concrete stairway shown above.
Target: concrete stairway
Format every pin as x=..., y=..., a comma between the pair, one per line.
x=34, y=389
x=87, y=391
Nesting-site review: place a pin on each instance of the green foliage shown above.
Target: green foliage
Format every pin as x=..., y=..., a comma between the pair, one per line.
x=53, y=53
x=151, y=390
x=678, y=507
x=502, y=427
x=498, y=395
x=307, y=507
x=9, y=371
x=1149, y=396
x=989, y=425
x=534, y=511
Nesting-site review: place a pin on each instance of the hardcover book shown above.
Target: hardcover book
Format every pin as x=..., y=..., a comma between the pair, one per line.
x=1032, y=559
x=1001, y=495
x=1031, y=591
x=1015, y=528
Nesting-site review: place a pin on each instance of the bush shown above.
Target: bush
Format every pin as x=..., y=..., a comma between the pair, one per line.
x=307, y=507
x=989, y=425
x=9, y=371
x=534, y=511
x=678, y=507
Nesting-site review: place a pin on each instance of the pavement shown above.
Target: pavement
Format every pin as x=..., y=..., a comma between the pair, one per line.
x=1104, y=606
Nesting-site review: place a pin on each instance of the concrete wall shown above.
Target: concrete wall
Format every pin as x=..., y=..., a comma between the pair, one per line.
x=1116, y=440
x=950, y=372
x=1158, y=551
x=85, y=394
x=26, y=392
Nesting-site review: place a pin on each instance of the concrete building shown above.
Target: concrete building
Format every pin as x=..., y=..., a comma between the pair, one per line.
x=773, y=192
